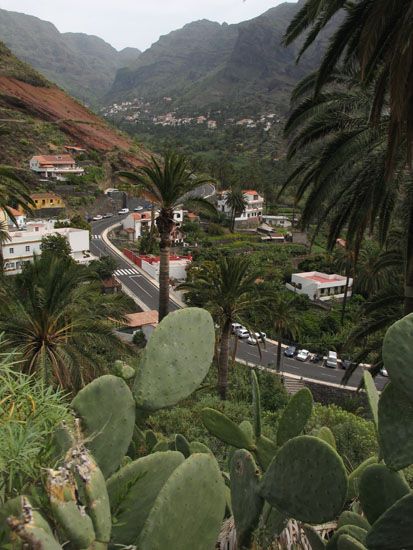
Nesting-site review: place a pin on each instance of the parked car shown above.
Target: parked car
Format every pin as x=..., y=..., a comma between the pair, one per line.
x=331, y=360
x=97, y=218
x=346, y=363
x=316, y=358
x=138, y=208
x=260, y=336
x=291, y=351
x=303, y=355
x=235, y=327
x=384, y=372
x=252, y=340
x=243, y=333
x=108, y=215
x=123, y=211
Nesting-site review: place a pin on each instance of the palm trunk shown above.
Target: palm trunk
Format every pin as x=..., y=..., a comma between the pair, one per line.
x=344, y=305
x=223, y=360
x=152, y=228
x=279, y=347
x=165, y=246
x=408, y=283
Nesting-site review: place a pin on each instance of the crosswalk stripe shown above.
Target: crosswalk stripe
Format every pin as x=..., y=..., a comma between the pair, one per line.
x=126, y=271
x=95, y=237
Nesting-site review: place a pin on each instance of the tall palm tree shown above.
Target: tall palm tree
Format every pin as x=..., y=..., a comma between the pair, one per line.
x=346, y=260
x=168, y=185
x=236, y=201
x=56, y=317
x=285, y=321
x=4, y=237
x=228, y=289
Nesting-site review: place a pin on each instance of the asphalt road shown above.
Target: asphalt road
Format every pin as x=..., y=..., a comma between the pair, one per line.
x=147, y=292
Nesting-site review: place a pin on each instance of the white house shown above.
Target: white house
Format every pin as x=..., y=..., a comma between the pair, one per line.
x=141, y=222
x=55, y=166
x=253, y=210
x=20, y=218
x=177, y=266
x=319, y=286
x=278, y=221
x=24, y=244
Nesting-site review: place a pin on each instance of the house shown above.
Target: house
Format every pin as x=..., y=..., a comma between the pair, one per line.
x=278, y=221
x=55, y=166
x=47, y=200
x=177, y=266
x=139, y=222
x=253, y=209
x=23, y=245
x=320, y=286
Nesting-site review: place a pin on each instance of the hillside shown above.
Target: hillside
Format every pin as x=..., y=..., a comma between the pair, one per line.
x=38, y=117
x=83, y=65
x=206, y=65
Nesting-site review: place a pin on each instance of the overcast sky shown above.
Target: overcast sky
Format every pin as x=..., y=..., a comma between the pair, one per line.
x=136, y=23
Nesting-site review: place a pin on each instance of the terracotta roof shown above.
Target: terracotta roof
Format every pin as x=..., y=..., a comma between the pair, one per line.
x=141, y=319
x=250, y=192
x=44, y=196
x=55, y=159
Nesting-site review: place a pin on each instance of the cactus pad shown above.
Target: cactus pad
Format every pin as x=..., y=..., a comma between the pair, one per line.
x=394, y=529
x=226, y=430
x=306, y=480
x=357, y=533
x=347, y=542
x=295, y=416
x=198, y=447
x=265, y=451
x=246, y=501
x=248, y=429
x=316, y=542
x=351, y=518
x=107, y=413
x=398, y=354
x=326, y=435
x=133, y=490
x=189, y=509
x=354, y=477
x=396, y=428
x=176, y=359
x=182, y=445
x=379, y=489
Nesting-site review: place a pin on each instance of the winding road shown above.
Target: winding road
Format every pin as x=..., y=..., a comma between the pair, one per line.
x=147, y=293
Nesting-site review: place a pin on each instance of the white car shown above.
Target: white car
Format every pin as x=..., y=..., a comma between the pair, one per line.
x=303, y=355
x=235, y=327
x=123, y=211
x=97, y=218
x=251, y=340
x=243, y=333
x=138, y=208
x=260, y=336
x=331, y=361
x=384, y=372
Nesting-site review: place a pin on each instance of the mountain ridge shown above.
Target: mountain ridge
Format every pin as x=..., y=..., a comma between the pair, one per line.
x=84, y=65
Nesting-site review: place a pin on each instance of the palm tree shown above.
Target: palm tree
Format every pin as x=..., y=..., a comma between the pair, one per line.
x=346, y=259
x=4, y=237
x=228, y=289
x=236, y=201
x=285, y=321
x=56, y=317
x=377, y=37
x=168, y=185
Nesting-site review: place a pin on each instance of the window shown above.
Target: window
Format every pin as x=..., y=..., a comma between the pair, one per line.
x=27, y=248
x=11, y=250
x=43, y=201
x=51, y=200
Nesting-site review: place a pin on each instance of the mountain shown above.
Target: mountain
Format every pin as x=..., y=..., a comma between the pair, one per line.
x=83, y=65
x=213, y=66
x=37, y=117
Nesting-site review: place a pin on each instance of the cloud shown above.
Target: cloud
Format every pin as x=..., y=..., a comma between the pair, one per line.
x=136, y=23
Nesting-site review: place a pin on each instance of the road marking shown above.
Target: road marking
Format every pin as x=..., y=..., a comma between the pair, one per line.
x=96, y=237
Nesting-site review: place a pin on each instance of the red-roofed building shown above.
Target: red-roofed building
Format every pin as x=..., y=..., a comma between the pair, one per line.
x=55, y=166
x=320, y=286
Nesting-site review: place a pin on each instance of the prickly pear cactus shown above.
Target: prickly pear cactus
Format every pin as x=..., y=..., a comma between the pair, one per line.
x=189, y=509
x=380, y=488
x=372, y=396
x=354, y=477
x=396, y=427
x=256, y=404
x=394, y=528
x=295, y=416
x=225, y=429
x=176, y=359
x=133, y=491
x=107, y=412
x=398, y=354
x=326, y=435
x=306, y=480
x=357, y=533
x=351, y=518
x=347, y=542
x=245, y=498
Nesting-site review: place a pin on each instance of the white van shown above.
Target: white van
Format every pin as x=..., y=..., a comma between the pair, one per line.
x=331, y=360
